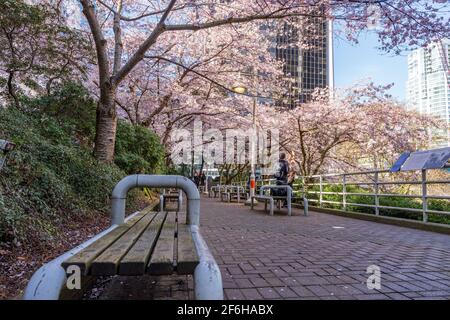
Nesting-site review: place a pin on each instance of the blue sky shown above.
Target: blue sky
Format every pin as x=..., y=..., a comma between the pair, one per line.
x=353, y=62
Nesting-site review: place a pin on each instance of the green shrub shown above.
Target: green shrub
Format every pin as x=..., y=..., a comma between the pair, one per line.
x=49, y=178
x=138, y=150
x=433, y=204
x=73, y=109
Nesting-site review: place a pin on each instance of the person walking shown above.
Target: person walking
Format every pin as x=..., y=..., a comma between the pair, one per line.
x=209, y=182
x=196, y=179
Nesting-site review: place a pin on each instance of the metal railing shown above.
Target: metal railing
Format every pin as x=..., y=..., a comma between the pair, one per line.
x=312, y=187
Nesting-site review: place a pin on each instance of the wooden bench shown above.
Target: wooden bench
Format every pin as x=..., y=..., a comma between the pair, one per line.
x=265, y=199
x=279, y=199
x=147, y=242
x=235, y=193
x=171, y=196
x=156, y=243
x=223, y=193
x=215, y=190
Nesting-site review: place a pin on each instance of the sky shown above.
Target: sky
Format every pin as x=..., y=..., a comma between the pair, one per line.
x=353, y=62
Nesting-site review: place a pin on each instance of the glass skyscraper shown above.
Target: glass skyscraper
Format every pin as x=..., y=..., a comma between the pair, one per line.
x=306, y=50
x=428, y=89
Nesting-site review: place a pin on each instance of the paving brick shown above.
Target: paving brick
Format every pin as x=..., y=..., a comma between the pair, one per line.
x=286, y=292
x=269, y=293
x=275, y=281
x=251, y=294
x=259, y=282
x=234, y=294
x=303, y=292
x=265, y=252
x=312, y=280
x=397, y=296
x=320, y=291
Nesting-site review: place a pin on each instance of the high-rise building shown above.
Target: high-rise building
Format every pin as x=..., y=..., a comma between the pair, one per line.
x=428, y=90
x=306, y=49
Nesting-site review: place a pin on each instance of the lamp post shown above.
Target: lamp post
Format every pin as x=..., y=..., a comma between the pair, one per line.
x=240, y=89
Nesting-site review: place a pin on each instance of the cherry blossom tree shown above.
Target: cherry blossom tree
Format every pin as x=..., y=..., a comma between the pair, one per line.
x=125, y=32
x=37, y=50
x=362, y=126
x=192, y=82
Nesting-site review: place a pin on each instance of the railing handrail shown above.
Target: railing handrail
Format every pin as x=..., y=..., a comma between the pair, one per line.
x=374, y=182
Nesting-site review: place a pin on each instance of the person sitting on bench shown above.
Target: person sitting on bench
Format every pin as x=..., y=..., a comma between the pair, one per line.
x=281, y=176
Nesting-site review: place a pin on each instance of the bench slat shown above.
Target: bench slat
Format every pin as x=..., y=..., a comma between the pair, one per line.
x=162, y=259
x=107, y=262
x=84, y=258
x=187, y=258
x=136, y=259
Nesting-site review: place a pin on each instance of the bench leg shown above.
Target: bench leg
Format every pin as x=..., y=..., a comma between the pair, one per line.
x=161, y=203
x=305, y=206
x=271, y=206
x=265, y=204
x=207, y=276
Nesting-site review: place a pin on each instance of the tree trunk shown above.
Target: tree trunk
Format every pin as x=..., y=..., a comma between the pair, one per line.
x=106, y=125
x=12, y=90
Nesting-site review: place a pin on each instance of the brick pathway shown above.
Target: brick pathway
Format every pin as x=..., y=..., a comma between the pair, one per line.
x=321, y=256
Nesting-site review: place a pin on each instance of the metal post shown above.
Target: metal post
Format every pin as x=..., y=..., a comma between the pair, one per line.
x=320, y=191
x=344, y=192
x=252, y=158
x=424, y=196
x=253, y=143
x=377, y=198
x=289, y=200
x=206, y=180
x=303, y=187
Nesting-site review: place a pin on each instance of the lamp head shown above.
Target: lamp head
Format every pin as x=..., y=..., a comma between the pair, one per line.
x=239, y=89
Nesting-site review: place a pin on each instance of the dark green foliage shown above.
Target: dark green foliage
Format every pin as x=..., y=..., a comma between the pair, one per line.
x=73, y=108
x=138, y=150
x=51, y=178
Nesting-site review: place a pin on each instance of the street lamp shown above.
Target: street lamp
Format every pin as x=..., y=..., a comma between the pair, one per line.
x=240, y=89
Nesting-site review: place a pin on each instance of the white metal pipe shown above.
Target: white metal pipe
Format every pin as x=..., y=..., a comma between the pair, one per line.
x=424, y=196
x=120, y=191
x=207, y=276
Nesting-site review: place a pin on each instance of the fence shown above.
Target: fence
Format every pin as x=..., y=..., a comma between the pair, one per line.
x=376, y=186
